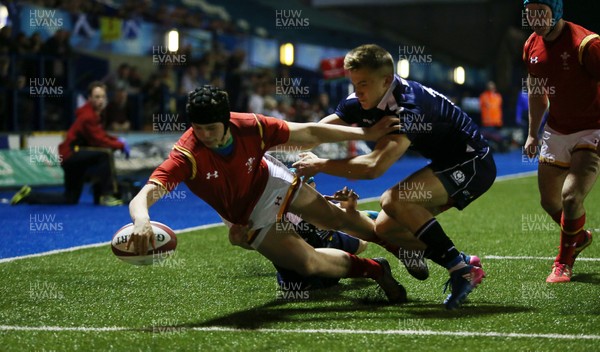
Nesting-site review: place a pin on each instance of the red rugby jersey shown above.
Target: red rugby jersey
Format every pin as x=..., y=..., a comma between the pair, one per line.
x=230, y=184
x=568, y=71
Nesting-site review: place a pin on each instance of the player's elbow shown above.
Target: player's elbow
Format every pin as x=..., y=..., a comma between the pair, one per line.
x=374, y=170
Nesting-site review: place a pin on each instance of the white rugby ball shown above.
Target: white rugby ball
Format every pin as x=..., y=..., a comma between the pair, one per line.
x=166, y=242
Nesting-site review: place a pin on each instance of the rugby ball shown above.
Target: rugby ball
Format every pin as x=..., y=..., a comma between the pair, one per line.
x=166, y=242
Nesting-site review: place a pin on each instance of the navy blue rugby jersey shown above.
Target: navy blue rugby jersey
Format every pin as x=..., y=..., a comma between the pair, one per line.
x=437, y=129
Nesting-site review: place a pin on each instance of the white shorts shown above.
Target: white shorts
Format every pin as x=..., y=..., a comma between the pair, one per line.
x=281, y=190
x=557, y=148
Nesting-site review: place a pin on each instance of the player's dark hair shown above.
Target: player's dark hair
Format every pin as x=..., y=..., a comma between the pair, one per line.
x=369, y=56
x=208, y=104
x=93, y=85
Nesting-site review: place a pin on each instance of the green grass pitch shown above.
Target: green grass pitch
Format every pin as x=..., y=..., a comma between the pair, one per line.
x=213, y=297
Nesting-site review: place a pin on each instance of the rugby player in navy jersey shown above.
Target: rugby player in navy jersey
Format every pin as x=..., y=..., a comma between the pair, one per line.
x=462, y=167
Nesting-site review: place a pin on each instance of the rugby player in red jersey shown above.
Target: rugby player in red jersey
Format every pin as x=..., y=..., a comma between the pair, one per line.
x=563, y=62
x=222, y=160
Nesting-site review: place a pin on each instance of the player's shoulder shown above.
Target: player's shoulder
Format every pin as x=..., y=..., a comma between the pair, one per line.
x=187, y=140
x=577, y=30
x=243, y=118
x=348, y=104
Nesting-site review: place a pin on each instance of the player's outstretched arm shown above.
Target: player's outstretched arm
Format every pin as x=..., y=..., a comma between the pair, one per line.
x=308, y=134
x=142, y=234
x=369, y=166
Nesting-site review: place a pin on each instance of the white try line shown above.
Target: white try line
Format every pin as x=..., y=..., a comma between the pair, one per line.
x=498, y=257
x=307, y=331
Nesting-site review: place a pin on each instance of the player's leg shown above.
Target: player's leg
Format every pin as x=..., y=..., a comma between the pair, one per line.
x=550, y=183
x=408, y=205
x=414, y=202
x=313, y=208
x=318, y=239
x=290, y=251
x=573, y=237
x=576, y=154
x=408, y=220
x=585, y=166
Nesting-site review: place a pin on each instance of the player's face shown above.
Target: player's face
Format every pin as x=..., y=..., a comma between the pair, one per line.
x=211, y=135
x=98, y=98
x=539, y=17
x=369, y=86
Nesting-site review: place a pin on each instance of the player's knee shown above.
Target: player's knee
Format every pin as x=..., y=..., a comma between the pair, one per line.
x=388, y=204
x=571, y=200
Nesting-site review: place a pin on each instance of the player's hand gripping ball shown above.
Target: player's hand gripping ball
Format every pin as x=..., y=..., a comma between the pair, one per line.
x=166, y=242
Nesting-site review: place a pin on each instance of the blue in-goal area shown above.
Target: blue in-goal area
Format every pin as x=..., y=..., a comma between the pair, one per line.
x=30, y=229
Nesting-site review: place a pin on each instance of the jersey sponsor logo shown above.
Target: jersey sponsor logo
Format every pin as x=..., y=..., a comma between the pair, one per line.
x=458, y=177
x=369, y=122
x=533, y=60
x=214, y=174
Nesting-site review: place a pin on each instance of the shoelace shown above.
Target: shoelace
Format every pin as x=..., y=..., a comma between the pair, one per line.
x=466, y=276
x=446, y=285
x=561, y=268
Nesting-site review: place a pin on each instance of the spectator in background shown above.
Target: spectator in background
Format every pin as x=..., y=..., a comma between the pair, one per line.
x=85, y=152
x=119, y=79
x=491, y=107
x=189, y=80
x=35, y=43
x=59, y=48
x=169, y=88
x=256, y=101
x=22, y=45
x=324, y=104
x=134, y=80
x=6, y=48
x=117, y=112
x=204, y=73
x=234, y=80
x=152, y=92
x=270, y=108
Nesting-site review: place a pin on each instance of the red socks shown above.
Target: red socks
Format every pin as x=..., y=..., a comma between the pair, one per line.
x=364, y=267
x=557, y=216
x=571, y=233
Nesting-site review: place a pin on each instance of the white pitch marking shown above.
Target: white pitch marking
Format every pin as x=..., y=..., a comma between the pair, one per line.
x=499, y=257
x=94, y=245
x=315, y=331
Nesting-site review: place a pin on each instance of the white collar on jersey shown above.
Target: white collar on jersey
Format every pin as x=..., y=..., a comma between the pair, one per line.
x=388, y=100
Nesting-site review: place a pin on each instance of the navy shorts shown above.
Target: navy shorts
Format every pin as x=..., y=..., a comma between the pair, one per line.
x=466, y=180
